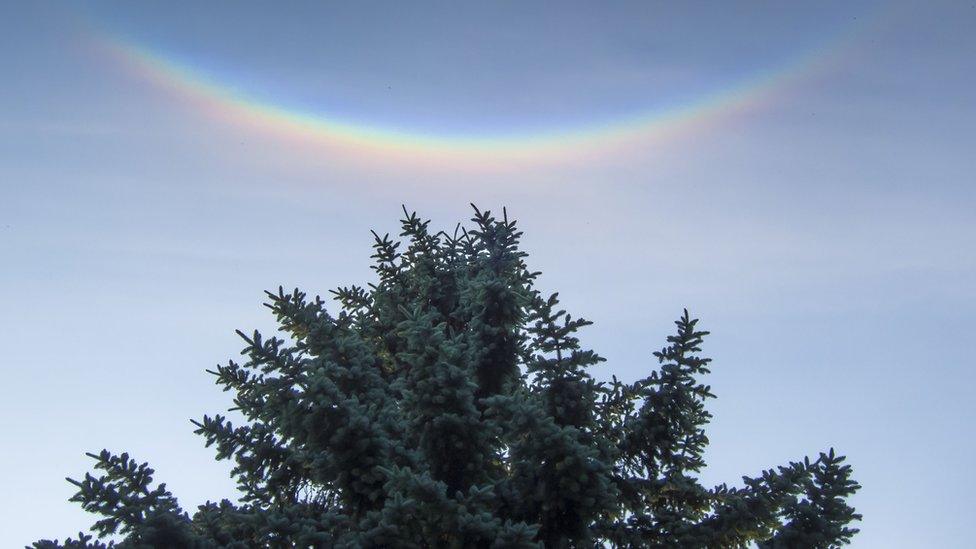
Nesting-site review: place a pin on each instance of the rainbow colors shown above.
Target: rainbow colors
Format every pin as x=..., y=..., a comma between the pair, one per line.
x=238, y=106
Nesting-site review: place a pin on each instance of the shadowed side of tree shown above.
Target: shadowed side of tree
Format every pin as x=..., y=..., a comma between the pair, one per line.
x=450, y=404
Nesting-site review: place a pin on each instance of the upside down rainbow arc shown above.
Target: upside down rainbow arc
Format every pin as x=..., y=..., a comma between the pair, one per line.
x=238, y=106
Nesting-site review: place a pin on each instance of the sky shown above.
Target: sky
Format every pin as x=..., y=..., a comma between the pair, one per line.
x=800, y=177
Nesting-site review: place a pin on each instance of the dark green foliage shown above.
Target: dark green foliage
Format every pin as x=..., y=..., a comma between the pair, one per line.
x=450, y=404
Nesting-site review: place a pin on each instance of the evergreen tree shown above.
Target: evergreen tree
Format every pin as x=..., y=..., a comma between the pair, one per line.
x=450, y=404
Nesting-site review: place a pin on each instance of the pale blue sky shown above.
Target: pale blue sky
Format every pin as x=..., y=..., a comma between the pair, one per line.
x=825, y=234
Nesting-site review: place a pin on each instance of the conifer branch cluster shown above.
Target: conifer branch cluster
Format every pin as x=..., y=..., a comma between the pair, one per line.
x=450, y=404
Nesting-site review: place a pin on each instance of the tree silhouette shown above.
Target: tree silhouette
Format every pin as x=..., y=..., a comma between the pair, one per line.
x=450, y=404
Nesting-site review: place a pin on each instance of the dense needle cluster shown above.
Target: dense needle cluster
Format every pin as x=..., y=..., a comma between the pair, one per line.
x=450, y=404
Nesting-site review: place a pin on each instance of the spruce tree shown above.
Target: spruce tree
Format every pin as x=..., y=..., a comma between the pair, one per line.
x=450, y=404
